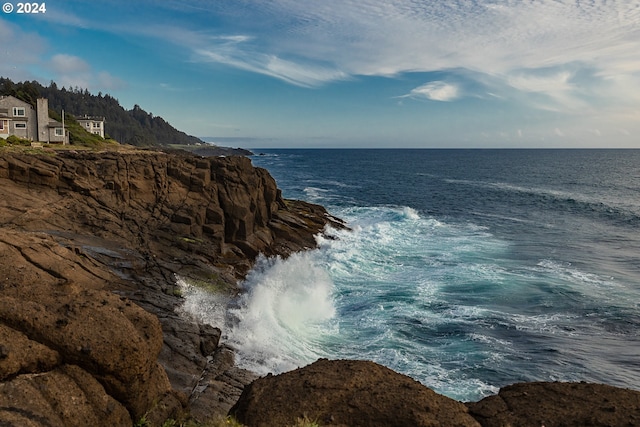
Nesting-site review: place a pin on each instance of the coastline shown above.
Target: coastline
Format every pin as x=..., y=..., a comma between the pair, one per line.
x=92, y=246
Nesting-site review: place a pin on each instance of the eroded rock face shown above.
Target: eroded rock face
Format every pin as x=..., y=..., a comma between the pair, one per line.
x=220, y=208
x=90, y=246
x=347, y=393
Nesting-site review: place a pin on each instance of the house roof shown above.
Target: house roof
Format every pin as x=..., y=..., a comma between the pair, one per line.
x=14, y=100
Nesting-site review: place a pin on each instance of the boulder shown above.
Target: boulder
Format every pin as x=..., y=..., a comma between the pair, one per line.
x=65, y=396
x=555, y=404
x=346, y=393
x=64, y=338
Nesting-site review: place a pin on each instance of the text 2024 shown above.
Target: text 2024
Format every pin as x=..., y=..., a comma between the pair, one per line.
x=31, y=7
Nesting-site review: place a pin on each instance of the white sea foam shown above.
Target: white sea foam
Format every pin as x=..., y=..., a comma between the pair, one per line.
x=410, y=213
x=589, y=284
x=201, y=305
x=283, y=315
x=316, y=194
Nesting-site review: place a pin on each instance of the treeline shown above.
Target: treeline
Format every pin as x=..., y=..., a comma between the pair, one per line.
x=135, y=126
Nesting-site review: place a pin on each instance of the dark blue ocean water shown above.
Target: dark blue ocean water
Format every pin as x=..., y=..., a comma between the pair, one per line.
x=465, y=269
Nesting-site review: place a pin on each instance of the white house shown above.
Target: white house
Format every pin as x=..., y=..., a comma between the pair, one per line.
x=19, y=118
x=92, y=124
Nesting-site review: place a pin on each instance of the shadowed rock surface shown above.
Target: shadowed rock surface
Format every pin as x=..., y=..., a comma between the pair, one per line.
x=90, y=248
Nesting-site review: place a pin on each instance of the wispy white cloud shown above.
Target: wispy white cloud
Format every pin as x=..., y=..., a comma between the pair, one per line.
x=73, y=71
x=294, y=72
x=556, y=82
x=58, y=17
x=19, y=51
x=434, y=91
x=241, y=51
x=370, y=37
x=68, y=64
x=552, y=89
x=309, y=43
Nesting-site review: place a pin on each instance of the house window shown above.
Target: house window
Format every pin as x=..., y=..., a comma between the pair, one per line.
x=2, y=124
x=59, y=132
x=96, y=124
x=21, y=125
x=19, y=112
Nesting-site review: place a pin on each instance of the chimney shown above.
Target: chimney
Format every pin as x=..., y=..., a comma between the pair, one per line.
x=42, y=112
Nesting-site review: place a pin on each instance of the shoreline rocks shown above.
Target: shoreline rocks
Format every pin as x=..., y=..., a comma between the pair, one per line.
x=362, y=393
x=90, y=246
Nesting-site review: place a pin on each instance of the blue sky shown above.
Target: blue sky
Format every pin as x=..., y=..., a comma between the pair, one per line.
x=350, y=73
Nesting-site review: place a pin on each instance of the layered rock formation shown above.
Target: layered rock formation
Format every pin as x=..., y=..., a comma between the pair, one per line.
x=90, y=245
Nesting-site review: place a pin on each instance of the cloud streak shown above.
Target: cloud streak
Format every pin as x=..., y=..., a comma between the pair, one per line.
x=20, y=50
x=434, y=91
x=73, y=71
x=228, y=51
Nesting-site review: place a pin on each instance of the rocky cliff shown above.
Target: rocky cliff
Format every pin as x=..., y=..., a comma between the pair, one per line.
x=90, y=245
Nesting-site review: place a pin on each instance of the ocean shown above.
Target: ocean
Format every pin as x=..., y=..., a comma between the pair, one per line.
x=467, y=270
